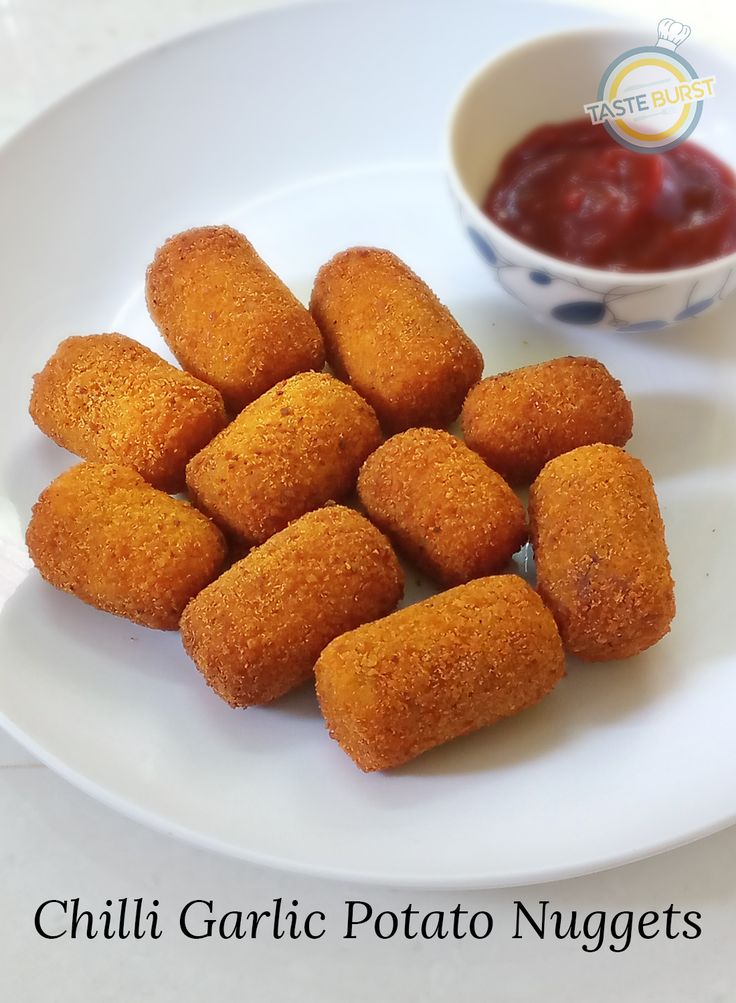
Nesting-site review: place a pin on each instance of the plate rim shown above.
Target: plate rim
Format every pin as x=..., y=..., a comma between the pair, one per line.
x=185, y=834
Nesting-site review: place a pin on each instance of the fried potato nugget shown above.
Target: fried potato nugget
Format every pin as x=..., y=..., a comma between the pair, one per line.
x=293, y=449
x=257, y=631
x=518, y=421
x=387, y=334
x=441, y=505
x=227, y=317
x=602, y=562
x=102, y=533
x=437, y=670
x=107, y=398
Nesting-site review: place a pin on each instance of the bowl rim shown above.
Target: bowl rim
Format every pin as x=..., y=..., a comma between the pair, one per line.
x=540, y=259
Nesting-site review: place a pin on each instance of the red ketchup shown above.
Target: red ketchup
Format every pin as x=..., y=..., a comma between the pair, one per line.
x=572, y=191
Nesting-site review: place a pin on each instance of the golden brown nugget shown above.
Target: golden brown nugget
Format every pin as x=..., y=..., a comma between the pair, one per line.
x=518, y=421
x=293, y=449
x=442, y=505
x=107, y=398
x=102, y=533
x=227, y=317
x=601, y=556
x=387, y=334
x=437, y=670
x=257, y=631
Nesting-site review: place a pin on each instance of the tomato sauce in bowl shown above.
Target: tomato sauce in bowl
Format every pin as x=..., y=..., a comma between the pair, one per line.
x=572, y=191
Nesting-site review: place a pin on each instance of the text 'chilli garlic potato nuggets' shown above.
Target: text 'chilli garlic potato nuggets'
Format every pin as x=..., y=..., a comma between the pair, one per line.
x=227, y=317
x=102, y=533
x=437, y=670
x=601, y=556
x=518, y=421
x=387, y=333
x=293, y=449
x=442, y=505
x=257, y=631
x=107, y=398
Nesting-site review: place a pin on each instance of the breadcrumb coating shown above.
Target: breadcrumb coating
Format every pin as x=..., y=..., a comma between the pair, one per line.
x=437, y=670
x=386, y=332
x=517, y=421
x=107, y=398
x=257, y=631
x=451, y=515
x=227, y=317
x=602, y=562
x=102, y=533
x=293, y=449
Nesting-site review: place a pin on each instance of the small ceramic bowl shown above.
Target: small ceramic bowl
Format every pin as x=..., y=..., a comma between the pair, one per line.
x=549, y=80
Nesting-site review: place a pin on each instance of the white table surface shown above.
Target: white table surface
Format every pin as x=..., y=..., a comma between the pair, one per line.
x=57, y=843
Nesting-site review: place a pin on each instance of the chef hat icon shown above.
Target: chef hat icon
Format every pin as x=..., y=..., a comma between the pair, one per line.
x=671, y=33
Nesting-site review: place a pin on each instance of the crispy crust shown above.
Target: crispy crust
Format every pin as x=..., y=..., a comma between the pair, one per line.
x=109, y=399
x=293, y=449
x=601, y=556
x=518, y=421
x=437, y=670
x=227, y=317
x=257, y=631
x=442, y=505
x=387, y=334
x=102, y=533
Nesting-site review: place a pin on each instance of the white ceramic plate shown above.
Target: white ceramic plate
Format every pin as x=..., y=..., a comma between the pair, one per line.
x=313, y=129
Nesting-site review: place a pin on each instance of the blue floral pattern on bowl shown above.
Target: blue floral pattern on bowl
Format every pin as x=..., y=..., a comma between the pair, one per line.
x=624, y=307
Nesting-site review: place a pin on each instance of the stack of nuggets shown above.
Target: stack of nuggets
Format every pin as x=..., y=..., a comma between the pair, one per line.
x=316, y=590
